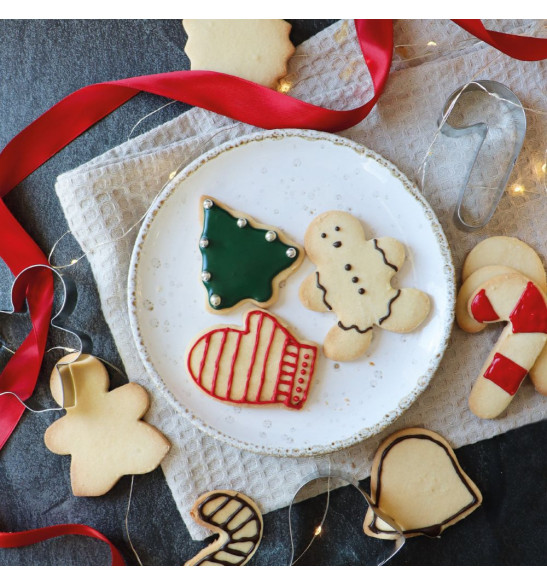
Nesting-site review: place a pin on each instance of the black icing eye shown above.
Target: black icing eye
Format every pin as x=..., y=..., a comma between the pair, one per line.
x=337, y=244
x=347, y=267
x=337, y=228
x=323, y=235
x=361, y=291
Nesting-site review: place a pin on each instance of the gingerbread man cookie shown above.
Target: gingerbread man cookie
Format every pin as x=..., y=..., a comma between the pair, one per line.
x=353, y=279
x=102, y=431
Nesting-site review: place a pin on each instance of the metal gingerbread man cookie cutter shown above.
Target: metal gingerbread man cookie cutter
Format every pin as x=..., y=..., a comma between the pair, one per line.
x=500, y=92
x=69, y=299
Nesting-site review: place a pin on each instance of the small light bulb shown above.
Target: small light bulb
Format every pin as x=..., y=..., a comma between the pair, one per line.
x=284, y=86
x=73, y=261
x=318, y=531
x=432, y=44
x=544, y=168
x=518, y=188
x=172, y=175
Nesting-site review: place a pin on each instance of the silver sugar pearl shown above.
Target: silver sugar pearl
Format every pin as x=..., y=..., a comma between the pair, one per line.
x=207, y=204
x=241, y=222
x=291, y=252
x=270, y=236
x=215, y=300
x=203, y=243
x=205, y=276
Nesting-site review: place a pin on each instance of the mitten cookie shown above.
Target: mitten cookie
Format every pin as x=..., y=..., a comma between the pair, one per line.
x=416, y=480
x=261, y=363
x=102, y=431
x=237, y=521
x=242, y=260
x=254, y=49
x=353, y=279
x=513, y=298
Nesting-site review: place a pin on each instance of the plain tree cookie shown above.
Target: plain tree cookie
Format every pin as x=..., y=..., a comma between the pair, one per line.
x=353, y=280
x=254, y=49
x=102, y=431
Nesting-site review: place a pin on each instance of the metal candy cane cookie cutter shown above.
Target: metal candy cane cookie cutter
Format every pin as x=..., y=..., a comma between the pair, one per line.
x=504, y=97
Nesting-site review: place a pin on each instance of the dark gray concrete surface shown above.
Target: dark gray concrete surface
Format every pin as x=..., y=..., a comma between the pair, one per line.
x=40, y=63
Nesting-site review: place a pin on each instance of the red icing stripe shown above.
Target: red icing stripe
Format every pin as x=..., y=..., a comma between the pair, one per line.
x=481, y=308
x=530, y=313
x=505, y=373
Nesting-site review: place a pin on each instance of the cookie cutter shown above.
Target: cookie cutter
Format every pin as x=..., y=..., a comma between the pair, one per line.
x=59, y=320
x=389, y=548
x=497, y=91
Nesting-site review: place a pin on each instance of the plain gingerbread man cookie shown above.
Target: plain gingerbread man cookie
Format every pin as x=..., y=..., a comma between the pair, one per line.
x=353, y=279
x=102, y=431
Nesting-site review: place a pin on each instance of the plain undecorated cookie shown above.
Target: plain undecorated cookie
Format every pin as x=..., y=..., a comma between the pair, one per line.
x=417, y=481
x=102, y=430
x=254, y=49
x=506, y=251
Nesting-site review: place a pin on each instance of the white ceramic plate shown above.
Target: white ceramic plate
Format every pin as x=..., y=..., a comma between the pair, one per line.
x=285, y=178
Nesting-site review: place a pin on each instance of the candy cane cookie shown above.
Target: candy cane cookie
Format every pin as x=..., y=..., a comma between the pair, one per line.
x=518, y=300
x=237, y=521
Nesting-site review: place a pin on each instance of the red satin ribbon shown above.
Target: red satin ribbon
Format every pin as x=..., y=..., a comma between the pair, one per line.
x=28, y=537
x=224, y=94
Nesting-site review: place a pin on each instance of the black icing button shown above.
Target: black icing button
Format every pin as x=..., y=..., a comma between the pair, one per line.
x=347, y=267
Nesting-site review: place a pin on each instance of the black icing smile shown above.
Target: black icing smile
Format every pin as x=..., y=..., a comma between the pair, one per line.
x=337, y=244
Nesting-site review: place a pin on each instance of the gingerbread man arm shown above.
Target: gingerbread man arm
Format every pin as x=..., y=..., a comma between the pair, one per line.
x=313, y=295
x=393, y=251
x=407, y=309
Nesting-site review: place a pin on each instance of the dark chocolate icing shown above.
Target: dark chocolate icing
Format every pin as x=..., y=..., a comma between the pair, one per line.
x=384, y=256
x=225, y=499
x=435, y=529
x=388, y=314
x=321, y=287
x=342, y=326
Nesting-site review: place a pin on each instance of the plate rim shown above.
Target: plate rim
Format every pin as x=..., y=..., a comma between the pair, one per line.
x=278, y=134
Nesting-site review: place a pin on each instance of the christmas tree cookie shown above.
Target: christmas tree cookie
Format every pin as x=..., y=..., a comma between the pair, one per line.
x=242, y=260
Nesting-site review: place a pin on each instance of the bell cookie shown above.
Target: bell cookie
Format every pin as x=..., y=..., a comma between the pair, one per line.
x=237, y=521
x=254, y=49
x=518, y=300
x=353, y=279
x=102, y=431
x=242, y=260
x=261, y=363
x=417, y=481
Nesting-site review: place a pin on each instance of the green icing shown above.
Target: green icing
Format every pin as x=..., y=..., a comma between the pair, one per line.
x=241, y=262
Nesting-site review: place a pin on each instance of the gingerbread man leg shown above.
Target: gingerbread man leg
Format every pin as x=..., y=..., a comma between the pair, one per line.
x=344, y=345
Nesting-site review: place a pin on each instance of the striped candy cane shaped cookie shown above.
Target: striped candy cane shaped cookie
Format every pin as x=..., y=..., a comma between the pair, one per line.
x=516, y=299
x=237, y=521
